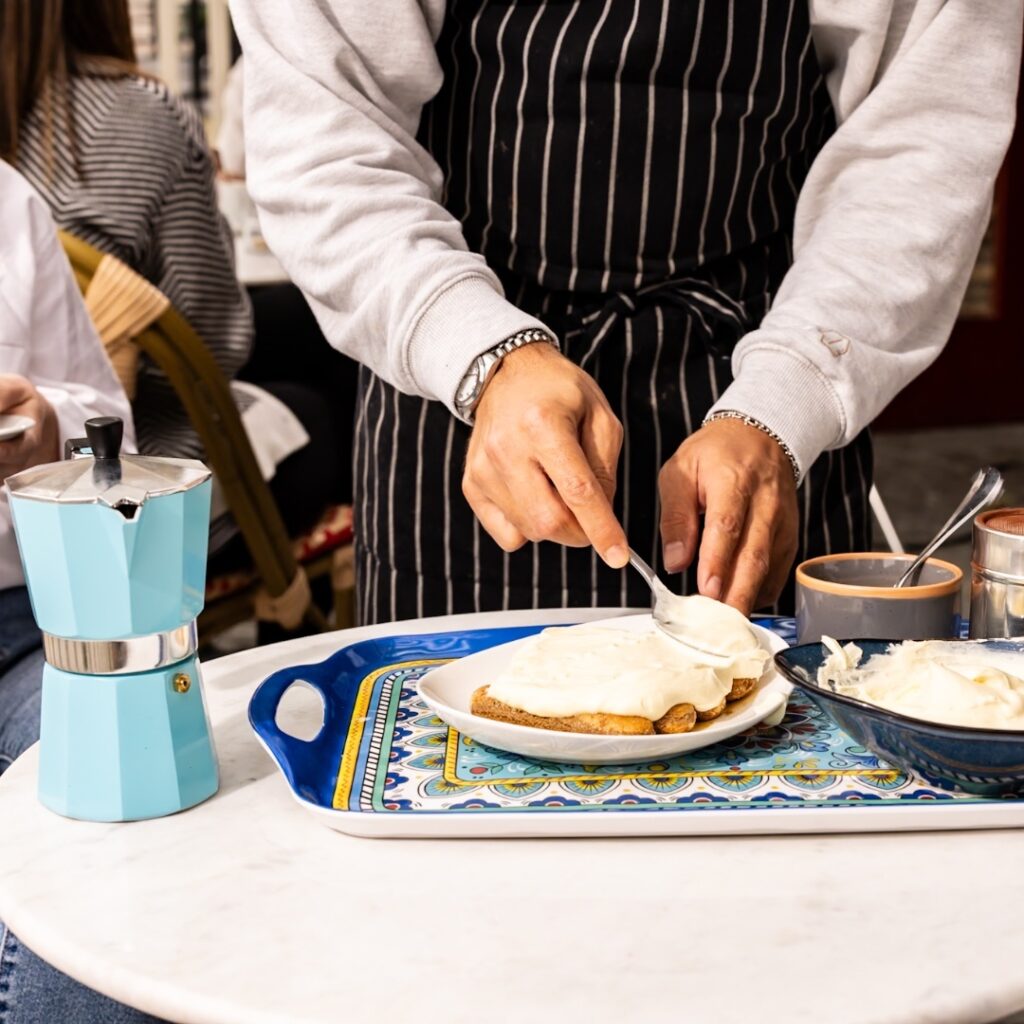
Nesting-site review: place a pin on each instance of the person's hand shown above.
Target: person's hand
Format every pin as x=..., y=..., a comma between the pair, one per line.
x=542, y=458
x=41, y=442
x=743, y=482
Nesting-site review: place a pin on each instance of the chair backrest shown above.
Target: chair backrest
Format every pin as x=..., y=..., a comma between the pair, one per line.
x=121, y=304
x=181, y=355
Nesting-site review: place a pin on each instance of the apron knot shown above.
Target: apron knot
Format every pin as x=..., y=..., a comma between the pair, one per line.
x=719, y=320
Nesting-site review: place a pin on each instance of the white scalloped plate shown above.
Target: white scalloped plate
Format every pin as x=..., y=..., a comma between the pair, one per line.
x=447, y=691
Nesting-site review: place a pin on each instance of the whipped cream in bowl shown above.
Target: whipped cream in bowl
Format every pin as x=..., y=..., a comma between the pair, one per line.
x=946, y=712
x=959, y=683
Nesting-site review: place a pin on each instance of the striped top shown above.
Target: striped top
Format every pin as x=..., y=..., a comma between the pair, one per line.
x=142, y=189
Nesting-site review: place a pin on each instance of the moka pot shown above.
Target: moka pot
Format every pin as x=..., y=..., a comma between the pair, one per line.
x=114, y=551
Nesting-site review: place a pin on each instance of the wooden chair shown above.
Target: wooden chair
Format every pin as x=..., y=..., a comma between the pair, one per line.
x=133, y=316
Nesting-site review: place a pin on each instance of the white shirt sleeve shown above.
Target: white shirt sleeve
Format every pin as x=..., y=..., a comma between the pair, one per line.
x=891, y=215
x=46, y=335
x=45, y=331
x=349, y=202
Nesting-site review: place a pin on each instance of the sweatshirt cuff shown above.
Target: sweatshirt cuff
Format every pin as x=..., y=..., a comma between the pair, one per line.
x=791, y=397
x=465, y=319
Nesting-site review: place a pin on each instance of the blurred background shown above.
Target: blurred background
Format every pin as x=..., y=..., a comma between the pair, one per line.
x=190, y=45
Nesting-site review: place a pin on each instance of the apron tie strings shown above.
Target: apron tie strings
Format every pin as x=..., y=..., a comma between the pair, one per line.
x=708, y=306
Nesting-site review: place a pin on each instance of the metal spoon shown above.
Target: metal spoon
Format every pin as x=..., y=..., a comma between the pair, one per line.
x=664, y=602
x=985, y=488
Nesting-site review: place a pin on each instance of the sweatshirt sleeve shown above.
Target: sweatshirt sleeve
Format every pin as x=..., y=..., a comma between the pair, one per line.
x=349, y=201
x=888, y=223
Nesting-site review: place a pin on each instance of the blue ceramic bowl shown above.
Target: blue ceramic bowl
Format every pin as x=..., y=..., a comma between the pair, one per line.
x=989, y=762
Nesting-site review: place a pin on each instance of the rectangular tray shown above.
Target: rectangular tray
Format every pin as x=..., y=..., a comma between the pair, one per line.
x=384, y=765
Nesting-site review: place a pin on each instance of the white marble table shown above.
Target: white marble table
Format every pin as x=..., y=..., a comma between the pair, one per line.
x=247, y=910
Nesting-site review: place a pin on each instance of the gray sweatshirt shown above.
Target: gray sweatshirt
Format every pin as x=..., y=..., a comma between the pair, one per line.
x=887, y=227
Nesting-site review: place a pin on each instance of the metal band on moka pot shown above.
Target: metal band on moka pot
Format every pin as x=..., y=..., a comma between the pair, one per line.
x=997, y=574
x=121, y=657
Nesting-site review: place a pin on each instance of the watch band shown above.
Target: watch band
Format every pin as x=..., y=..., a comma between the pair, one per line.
x=472, y=385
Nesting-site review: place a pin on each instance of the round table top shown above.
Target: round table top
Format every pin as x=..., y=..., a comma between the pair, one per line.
x=246, y=909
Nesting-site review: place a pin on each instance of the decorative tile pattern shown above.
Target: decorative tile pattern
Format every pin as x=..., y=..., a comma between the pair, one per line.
x=400, y=758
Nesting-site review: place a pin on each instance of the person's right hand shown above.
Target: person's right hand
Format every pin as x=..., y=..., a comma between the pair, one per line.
x=41, y=442
x=542, y=458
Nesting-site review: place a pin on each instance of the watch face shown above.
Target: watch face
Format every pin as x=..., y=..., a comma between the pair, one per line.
x=470, y=383
x=476, y=377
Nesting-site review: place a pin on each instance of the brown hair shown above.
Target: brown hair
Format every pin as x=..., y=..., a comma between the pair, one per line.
x=43, y=43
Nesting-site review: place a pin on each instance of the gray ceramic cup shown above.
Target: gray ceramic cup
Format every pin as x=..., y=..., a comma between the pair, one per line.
x=852, y=596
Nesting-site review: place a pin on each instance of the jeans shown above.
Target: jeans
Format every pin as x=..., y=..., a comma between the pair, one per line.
x=21, y=675
x=31, y=991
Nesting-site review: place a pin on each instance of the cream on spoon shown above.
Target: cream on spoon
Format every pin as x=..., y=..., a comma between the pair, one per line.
x=709, y=631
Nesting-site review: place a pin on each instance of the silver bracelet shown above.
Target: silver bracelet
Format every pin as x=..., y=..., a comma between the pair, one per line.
x=733, y=414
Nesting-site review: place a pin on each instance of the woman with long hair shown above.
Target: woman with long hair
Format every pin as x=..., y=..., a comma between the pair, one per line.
x=69, y=88
x=54, y=371
x=124, y=165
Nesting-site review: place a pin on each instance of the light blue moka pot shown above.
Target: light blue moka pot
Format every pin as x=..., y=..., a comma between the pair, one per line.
x=114, y=551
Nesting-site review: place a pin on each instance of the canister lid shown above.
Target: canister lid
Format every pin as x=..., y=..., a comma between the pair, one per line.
x=108, y=477
x=1006, y=520
x=999, y=542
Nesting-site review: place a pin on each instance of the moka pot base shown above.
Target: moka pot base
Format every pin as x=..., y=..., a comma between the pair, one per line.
x=125, y=747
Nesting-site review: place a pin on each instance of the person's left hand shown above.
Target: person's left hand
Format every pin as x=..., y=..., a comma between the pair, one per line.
x=41, y=442
x=743, y=482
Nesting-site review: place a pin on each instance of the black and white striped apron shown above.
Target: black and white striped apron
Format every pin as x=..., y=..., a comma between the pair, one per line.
x=630, y=169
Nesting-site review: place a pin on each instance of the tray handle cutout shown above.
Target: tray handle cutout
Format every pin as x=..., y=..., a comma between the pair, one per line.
x=300, y=712
x=302, y=760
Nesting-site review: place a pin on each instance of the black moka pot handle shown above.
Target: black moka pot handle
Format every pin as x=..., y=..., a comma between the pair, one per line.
x=104, y=435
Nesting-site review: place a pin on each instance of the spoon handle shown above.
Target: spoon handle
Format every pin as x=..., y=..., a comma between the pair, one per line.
x=987, y=486
x=644, y=569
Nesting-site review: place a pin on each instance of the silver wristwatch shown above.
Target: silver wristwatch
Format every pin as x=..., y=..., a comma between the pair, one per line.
x=472, y=385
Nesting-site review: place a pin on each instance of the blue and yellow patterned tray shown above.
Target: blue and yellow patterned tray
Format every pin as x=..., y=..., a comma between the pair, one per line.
x=384, y=765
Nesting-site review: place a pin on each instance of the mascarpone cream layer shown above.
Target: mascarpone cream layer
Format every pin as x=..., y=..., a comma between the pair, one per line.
x=590, y=669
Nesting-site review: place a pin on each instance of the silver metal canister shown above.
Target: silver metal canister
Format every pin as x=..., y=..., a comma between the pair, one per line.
x=997, y=574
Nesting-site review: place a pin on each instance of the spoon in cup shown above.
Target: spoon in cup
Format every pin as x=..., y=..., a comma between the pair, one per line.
x=986, y=486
